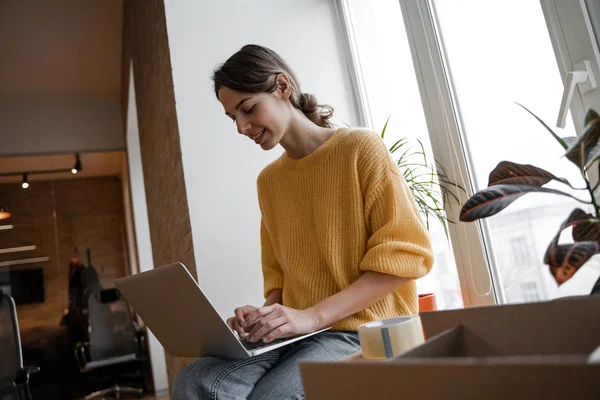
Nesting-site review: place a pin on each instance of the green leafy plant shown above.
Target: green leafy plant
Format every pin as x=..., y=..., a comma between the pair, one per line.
x=510, y=181
x=428, y=182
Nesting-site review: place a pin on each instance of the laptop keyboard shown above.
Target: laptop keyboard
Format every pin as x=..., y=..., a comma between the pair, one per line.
x=260, y=344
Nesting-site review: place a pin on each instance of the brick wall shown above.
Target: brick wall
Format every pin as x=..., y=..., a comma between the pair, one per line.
x=89, y=214
x=145, y=42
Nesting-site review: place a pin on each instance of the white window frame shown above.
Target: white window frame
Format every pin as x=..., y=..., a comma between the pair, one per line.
x=573, y=40
x=445, y=127
x=475, y=281
x=479, y=279
x=342, y=10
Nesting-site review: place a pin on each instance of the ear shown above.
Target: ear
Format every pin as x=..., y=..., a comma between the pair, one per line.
x=284, y=87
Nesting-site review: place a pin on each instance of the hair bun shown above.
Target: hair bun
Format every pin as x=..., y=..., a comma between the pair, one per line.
x=317, y=113
x=308, y=103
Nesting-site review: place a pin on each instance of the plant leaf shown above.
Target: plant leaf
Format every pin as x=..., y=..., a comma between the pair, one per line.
x=565, y=259
x=429, y=187
x=584, y=148
x=558, y=139
x=590, y=116
x=422, y=152
x=494, y=199
x=401, y=142
x=576, y=216
x=576, y=157
x=507, y=172
x=593, y=155
x=587, y=229
x=385, y=127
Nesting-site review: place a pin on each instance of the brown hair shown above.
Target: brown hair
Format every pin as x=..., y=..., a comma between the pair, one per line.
x=254, y=69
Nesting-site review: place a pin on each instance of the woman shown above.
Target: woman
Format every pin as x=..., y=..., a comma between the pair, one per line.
x=342, y=239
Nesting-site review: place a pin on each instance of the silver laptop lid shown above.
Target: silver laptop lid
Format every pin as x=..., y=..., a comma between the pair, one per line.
x=173, y=306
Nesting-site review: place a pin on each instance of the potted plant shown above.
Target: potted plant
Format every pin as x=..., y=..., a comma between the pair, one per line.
x=428, y=182
x=510, y=181
x=430, y=186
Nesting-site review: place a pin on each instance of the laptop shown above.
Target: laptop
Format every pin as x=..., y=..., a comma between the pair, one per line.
x=183, y=319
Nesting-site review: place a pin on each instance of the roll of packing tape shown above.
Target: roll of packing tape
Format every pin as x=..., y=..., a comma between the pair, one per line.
x=389, y=337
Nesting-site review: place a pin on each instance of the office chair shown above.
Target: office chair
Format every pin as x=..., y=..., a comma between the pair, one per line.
x=115, y=341
x=83, y=282
x=14, y=378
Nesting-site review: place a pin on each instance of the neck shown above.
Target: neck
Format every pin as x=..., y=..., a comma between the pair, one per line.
x=303, y=137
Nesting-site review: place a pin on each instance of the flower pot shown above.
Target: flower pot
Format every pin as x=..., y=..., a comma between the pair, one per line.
x=427, y=302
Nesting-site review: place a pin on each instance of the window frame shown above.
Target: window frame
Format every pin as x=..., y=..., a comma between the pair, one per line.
x=443, y=126
x=479, y=278
x=572, y=45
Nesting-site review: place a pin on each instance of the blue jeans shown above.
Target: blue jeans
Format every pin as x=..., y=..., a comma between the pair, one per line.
x=273, y=375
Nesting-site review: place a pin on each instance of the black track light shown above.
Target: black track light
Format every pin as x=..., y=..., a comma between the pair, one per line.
x=77, y=166
x=25, y=183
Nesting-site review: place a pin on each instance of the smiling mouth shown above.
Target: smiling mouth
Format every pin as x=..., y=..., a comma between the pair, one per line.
x=257, y=137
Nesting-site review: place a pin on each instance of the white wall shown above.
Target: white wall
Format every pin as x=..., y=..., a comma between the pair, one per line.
x=142, y=228
x=221, y=167
x=60, y=125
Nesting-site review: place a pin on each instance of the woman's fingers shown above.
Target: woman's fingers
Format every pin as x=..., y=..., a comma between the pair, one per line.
x=230, y=322
x=277, y=333
x=242, y=312
x=235, y=326
x=239, y=329
x=248, y=328
x=264, y=327
x=259, y=313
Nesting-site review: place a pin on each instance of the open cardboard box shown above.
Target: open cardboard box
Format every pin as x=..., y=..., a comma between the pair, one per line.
x=525, y=351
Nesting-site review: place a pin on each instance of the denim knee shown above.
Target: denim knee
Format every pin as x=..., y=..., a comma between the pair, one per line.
x=195, y=380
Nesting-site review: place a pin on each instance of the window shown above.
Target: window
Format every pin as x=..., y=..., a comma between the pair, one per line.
x=450, y=73
x=487, y=83
x=390, y=90
x=521, y=251
x=530, y=292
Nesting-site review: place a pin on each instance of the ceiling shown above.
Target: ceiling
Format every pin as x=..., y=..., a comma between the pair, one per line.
x=93, y=165
x=71, y=47
x=56, y=49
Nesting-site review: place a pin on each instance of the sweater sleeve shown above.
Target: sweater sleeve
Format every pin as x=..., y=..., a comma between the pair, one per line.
x=399, y=243
x=272, y=273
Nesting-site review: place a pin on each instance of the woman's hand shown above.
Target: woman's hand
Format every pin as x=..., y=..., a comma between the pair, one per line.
x=237, y=323
x=274, y=321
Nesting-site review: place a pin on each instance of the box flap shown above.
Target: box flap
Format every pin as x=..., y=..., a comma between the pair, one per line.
x=414, y=379
x=447, y=344
x=538, y=328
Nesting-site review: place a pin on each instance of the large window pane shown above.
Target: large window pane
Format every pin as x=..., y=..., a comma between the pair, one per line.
x=392, y=91
x=499, y=53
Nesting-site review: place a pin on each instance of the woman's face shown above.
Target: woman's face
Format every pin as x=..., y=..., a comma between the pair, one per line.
x=262, y=117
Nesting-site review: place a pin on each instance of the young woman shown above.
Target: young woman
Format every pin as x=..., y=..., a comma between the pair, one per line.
x=342, y=239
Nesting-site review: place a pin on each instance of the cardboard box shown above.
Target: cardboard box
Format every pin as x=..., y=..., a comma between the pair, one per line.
x=526, y=351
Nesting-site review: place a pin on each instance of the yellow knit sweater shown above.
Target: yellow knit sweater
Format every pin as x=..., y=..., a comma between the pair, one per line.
x=329, y=217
